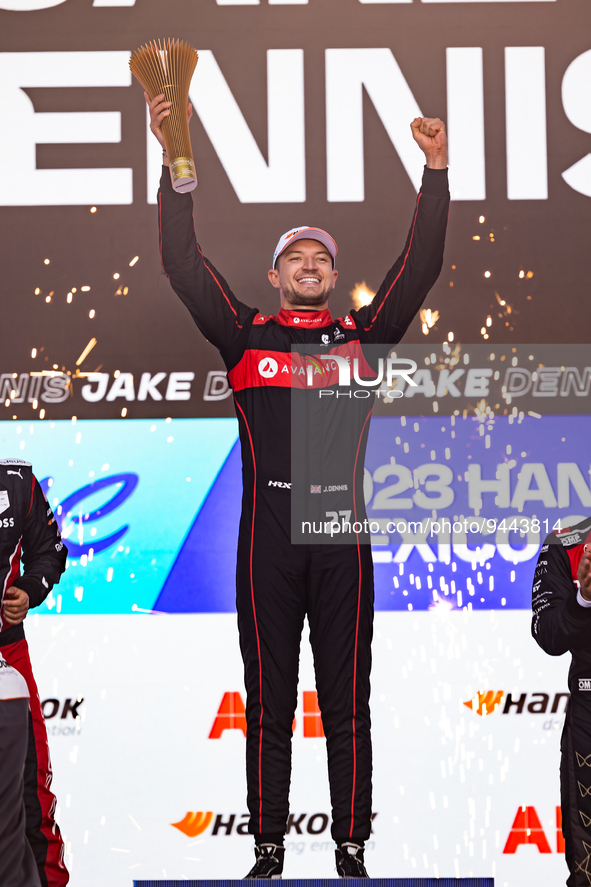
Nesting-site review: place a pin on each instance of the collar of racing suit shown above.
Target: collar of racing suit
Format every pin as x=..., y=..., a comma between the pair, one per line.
x=303, y=318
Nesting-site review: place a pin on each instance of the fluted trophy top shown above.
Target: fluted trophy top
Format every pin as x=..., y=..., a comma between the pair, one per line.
x=164, y=63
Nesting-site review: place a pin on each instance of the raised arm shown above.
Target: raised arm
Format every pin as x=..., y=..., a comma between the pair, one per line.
x=214, y=308
x=560, y=622
x=388, y=316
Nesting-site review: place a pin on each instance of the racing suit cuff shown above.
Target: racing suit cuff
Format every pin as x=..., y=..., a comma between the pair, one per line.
x=435, y=182
x=579, y=617
x=35, y=589
x=581, y=600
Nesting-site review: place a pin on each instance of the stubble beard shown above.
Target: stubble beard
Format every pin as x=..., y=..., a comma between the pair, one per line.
x=299, y=300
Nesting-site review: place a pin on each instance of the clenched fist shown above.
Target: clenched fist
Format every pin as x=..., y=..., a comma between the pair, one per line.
x=429, y=134
x=159, y=109
x=15, y=606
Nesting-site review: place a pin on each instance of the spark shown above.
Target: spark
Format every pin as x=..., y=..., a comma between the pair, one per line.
x=37, y=291
x=489, y=320
x=48, y=298
x=428, y=319
x=91, y=313
x=93, y=209
x=69, y=298
x=361, y=295
x=85, y=289
x=34, y=352
x=521, y=275
x=487, y=273
x=133, y=261
x=42, y=414
x=535, y=415
x=481, y=220
x=529, y=275
x=46, y=261
x=86, y=351
x=483, y=412
x=450, y=337
x=442, y=606
x=125, y=290
x=124, y=412
x=476, y=237
x=116, y=275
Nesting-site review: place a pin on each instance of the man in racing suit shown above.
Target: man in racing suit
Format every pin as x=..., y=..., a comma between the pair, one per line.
x=562, y=621
x=279, y=583
x=29, y=533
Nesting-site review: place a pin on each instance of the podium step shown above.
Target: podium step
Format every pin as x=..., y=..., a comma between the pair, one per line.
x=332, y=882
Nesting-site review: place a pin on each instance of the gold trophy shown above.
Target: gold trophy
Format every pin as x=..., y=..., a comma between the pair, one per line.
x=165, y=67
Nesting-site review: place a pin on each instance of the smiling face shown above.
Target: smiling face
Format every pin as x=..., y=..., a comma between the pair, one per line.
x=304, y=276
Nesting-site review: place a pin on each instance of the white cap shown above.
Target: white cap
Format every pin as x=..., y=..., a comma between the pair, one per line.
x=305, y=233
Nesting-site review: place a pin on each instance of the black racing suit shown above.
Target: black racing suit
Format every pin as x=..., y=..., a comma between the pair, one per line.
x=560, y=623
x=29, y=533
x=279, y=583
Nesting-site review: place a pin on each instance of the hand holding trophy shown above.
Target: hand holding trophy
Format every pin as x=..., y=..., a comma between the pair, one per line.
x=165, y=67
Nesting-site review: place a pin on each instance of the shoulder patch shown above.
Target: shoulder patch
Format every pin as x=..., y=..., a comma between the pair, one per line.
x=576, y=535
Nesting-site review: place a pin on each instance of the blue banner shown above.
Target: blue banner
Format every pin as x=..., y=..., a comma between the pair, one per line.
x=458, y=507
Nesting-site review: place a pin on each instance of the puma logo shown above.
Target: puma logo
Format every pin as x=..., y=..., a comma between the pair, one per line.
x=16, y=472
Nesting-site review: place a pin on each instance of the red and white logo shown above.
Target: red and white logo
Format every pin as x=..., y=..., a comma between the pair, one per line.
x=268, y=367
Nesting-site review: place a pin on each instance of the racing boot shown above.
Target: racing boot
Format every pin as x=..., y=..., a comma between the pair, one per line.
x=269, y=862
x=349, y=859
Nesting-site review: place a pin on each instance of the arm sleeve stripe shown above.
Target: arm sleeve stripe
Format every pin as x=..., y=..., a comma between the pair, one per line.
x=220, y=287
x=32, y=491
x=383, y=302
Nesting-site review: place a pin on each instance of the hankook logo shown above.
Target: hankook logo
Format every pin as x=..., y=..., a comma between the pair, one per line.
x=268, y=367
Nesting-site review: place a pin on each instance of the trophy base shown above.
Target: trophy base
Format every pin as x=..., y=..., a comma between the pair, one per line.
x=182, y=174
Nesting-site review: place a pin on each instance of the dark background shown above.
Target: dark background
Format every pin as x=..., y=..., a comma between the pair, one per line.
x=149, y=330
